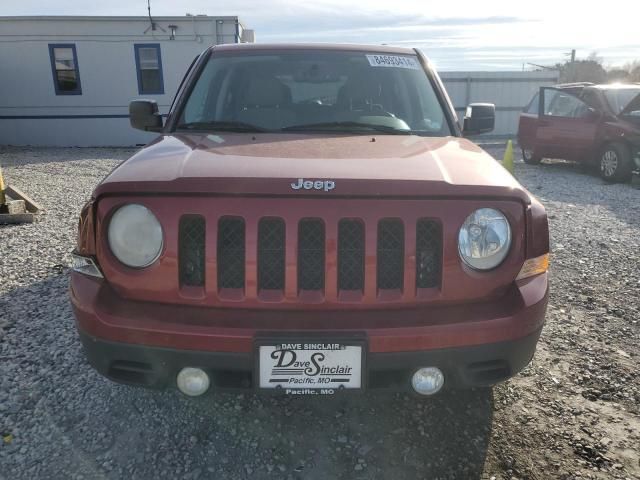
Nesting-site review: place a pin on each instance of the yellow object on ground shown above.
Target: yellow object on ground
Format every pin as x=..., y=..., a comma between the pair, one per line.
x=3, y=199
x=507, y=161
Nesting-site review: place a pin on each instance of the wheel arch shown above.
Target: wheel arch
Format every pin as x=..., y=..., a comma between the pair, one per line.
x=600, y=146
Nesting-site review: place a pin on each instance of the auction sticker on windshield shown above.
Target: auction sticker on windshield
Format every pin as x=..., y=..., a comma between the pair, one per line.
x=310, y=367
x=394, y=61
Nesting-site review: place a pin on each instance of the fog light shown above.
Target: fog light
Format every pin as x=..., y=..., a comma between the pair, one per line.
x=428, y=380
x=193, y=381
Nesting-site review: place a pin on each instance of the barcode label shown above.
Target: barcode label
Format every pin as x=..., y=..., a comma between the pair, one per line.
x=393, y=61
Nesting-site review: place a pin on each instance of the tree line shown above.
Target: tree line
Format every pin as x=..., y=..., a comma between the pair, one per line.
x=592, y=70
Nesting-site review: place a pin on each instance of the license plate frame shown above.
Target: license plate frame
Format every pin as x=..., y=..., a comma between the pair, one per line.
x=270, y=341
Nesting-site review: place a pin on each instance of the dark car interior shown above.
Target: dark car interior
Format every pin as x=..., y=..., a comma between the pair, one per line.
x=275, y=94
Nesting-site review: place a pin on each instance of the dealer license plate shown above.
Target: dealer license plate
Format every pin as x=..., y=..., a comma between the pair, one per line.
x=310, y=367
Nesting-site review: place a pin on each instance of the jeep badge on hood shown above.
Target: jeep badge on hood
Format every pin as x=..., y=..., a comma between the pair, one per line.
x=326, y=185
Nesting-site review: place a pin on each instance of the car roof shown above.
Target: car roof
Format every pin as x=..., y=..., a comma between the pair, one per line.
x=574, y=85
x=617, y=86
x=346, y=47
x=578, y=86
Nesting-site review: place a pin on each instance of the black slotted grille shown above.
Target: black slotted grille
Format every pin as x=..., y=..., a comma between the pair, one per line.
x=428, y=253
x=311, y=238
x=191, y=250
x=271, y=250
x=390, y=271
x=350, y=255
x=231, y=252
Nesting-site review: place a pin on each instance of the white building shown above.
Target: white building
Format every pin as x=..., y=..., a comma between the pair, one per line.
x=68, y=81
x=509, y=91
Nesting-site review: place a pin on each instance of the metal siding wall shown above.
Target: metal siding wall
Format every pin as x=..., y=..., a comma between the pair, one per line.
x=509, y=91
x=98, y=132
x=105, y=50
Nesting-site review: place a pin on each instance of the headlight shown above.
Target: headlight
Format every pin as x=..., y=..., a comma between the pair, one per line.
x=135, y=236
x=484, y=239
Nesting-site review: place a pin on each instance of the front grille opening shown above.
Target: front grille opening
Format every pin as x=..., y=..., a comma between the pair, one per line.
x=490, y=372
x=350, y=255
x=428, y=253
x=390, y=269
x=389, y=379
x=311, y=244
x=271, y=250
x=231, y=379
x=137, y=373
x=191, y=254
x=231, y=252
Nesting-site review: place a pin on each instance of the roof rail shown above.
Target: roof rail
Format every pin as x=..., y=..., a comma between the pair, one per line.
x=575, y=84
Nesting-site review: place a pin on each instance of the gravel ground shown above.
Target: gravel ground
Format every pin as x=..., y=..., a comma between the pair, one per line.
x=573, y=413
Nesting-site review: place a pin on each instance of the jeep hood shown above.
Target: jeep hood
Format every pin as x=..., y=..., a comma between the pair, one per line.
x=267, y=164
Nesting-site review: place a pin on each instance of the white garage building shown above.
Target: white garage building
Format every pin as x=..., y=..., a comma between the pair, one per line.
x=68, y=81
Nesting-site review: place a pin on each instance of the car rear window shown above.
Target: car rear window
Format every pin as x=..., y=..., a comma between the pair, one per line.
x=619, y=98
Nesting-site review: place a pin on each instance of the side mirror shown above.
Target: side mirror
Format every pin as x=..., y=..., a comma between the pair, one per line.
x=479, y=118
x=144, y=115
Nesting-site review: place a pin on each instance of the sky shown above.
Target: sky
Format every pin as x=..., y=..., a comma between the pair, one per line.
x=455, y=35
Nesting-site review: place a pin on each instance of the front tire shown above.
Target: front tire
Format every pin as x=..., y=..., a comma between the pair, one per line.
x=530, y=157
x=615, y=163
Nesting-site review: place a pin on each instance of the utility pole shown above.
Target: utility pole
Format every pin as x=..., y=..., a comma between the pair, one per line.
x=569, y=70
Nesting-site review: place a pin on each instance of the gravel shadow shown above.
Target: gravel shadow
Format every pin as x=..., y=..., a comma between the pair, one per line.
x=66, y=421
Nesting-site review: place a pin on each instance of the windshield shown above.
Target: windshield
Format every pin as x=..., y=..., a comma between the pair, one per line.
x=315, y=91
x=619, y=98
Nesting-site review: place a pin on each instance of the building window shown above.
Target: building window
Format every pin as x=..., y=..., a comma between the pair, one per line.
x=64, y=65
x=149, y=67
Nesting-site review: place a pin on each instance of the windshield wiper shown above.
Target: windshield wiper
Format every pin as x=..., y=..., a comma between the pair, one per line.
x=347, y=124
x=227, y=126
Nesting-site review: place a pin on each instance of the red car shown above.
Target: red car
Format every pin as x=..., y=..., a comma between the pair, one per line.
x=310, y=220
x=595, y=124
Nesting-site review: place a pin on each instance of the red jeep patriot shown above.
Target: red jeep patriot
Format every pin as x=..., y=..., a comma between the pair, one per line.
x=309, y=220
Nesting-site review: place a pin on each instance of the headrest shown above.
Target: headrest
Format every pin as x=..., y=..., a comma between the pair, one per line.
x=266, y=92
x=360, y=88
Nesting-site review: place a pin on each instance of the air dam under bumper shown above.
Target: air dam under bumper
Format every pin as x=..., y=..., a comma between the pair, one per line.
x=155, y=367
x=147, y=344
